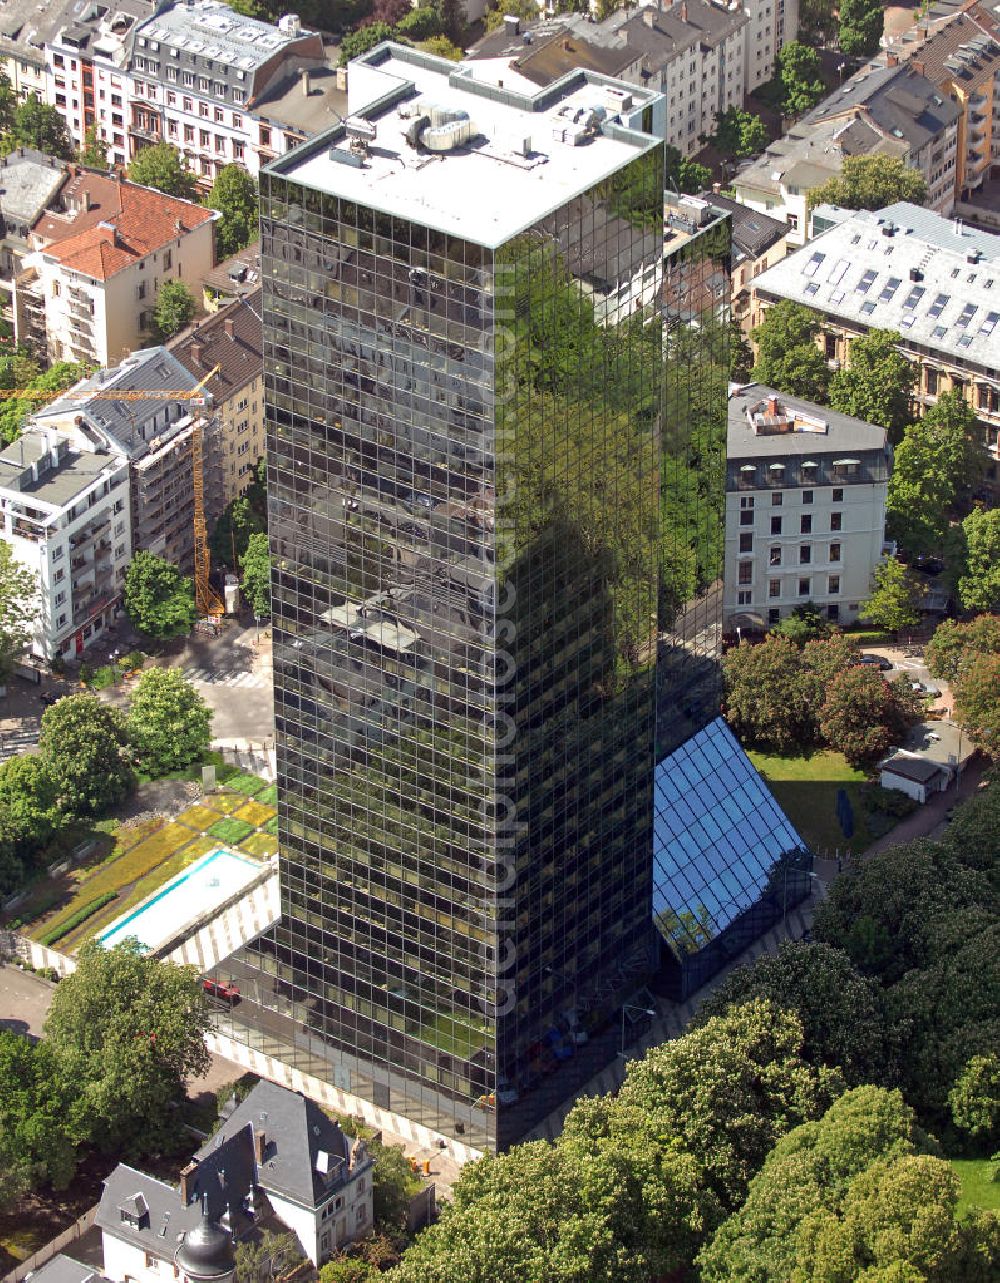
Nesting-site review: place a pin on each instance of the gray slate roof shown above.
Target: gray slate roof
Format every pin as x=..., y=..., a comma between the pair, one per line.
x=150, y=370
x=29, y=181
x=844, y=432
x=154, y=1219
x=901, y=102
x=753, y=232
x=296, y=1132
x=63, y=1269
x=828, y=274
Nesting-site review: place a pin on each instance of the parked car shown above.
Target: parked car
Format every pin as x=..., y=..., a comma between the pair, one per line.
x=221, y=989
x=876, y=661
x=50, y=698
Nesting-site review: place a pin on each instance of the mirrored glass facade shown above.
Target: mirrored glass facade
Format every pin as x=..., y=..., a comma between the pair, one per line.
x=727, y=863
x=464, y=488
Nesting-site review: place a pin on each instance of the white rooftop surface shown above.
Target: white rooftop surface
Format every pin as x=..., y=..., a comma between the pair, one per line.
x=484, y=191
x=861, y=273
x=212, y=30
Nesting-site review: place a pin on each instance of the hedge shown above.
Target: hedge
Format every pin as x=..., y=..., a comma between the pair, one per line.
x=82, y=914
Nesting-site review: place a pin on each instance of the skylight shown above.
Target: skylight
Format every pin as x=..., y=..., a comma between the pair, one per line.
x=838, y=270
x=811, y=267
x=939, y=331
x=968, y=312
x=989, y=325
x=914, y=296
x=866, y=282
x=891, y=286
x=938, y=306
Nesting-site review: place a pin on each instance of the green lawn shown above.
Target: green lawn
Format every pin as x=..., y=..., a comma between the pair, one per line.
x=806, y=790
x=978, y=1187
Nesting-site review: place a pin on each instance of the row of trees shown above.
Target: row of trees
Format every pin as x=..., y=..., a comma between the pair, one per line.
x=787, y=698
x=86, y=764
x=786, y=1135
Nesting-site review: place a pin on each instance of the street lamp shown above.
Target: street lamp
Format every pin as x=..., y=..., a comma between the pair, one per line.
x=626, y=1008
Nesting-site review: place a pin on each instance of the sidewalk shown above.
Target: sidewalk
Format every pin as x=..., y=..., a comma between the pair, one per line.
x=929, y=820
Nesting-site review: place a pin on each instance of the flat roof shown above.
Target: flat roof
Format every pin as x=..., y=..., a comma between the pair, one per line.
x=934, y=280
x=512, y=170
x=61, y=482
x=843, y=431
x=213, y=30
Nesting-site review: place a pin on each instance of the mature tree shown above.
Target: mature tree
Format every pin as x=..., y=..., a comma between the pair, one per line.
x=388, y=11
x=817, y=21
x=975, y=1098
x=242, y=518
x=840, y=1010
x=83, y=743
x=860, y=1194
x=971, y=835
x=871, y=182
x=878, y=384
x=889, y=912
x=346, y=1269
x=938, y=461
x=161, y=166
x=726, y=1091
x=940, y=1015
x=863, y=715
x=977, y=706
x=36, y=124
x=979, y=587
x=13, y=412
x=861, y=24
x=29, y=816
x=422, y=23
x=158, y=598
x=94, y=152
x=365, y=38
x=804, y=623
x=893, y=603
x=175, y=308
x=268, y=1258
x=955, y=644
x=767, y=700
x=801, y=77
x=235, y=195
x=740, y=354
x=169, y=724
x=8, y=105
x=19, y=607
x=452, y=16
x=739, y=133
x=524, y=9
x=127, y=1030
x=38, y=1134
x=256, y=583
x=787, y=356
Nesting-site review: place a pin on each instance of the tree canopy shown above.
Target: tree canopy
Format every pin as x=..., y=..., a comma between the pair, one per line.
x=29, y=817
x=25, y=375
x=871, y=182
x=235, y=195
x=787, y=356
x=84, y=745
x=94, y=152
x=158, y=598
x=955, y=644
x=359, y=42
x=240, y=519
x=840, y=1009
x=739, y=133
x=979, y=586
x=38, y=1142
x=39, y=125
x=976, y=704
x=169, y=724
x=878, y=383
x=174, y=310
x=893, y=604
x=128, y=1029
x=19, y=608
x=256, y=583
x=800, y=74
x=861, y=26
x=860, y=1194
x=160, y=165
x=863, y=715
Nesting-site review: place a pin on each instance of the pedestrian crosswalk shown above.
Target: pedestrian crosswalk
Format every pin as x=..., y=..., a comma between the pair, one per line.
x=236, y=677
x=18, y=737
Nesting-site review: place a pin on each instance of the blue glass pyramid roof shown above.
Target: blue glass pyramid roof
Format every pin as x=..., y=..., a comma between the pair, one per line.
x=719, y=838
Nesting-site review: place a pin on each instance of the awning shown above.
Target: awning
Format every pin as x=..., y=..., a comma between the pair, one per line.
x=808, y=463
x=777, y=467
x=749, y=467
x=846, y=463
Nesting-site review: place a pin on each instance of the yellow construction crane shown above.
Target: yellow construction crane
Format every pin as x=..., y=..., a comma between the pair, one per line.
x=209, y=603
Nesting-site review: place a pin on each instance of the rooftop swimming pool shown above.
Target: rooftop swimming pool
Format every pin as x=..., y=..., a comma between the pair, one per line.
x=208, y=883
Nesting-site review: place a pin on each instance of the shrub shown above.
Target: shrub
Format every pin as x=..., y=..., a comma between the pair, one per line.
x=82, y=914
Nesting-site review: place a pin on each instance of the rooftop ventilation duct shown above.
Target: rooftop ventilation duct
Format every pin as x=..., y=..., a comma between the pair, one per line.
x=440, y=129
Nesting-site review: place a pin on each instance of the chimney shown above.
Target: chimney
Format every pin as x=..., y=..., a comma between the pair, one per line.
x=567, y=46
x=85, y=200
x=649, y=17
x=187, y=1182
x=197, y=352
x=259, y=1145
x=717, y=189
x=684, y=11
x=304, y=81
x=918, y=65
x=892, y=59
x=229, y=327
x=772, y=407
x=178, y=226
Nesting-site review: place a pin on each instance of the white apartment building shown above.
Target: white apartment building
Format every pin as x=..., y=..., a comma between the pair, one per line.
x=200, y=73
x=65, y=511
x=805, y=508
x=98, y=262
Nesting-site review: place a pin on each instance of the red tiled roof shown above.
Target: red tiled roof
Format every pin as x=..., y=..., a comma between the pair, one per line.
x=122, y=224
